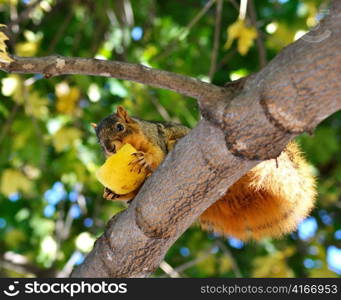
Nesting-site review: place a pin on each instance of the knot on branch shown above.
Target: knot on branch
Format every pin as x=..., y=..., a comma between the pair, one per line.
x=211, y=109
x=249, y=133
x=286, y=107
x=55, y=68
x=258, y=149
x=154, y=230
x=258, y=125
x=242, y=119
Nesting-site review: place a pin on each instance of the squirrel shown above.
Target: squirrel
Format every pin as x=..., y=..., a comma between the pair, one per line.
x=268, y=201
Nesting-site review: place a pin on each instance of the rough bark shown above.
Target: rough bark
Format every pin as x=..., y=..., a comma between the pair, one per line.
x=244, y=123
x=56, y=65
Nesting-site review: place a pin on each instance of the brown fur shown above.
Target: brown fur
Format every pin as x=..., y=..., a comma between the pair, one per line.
x=270, y=200
x=133, y=134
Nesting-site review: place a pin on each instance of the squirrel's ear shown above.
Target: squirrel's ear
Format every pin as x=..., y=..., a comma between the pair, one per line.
x=94, y=125
x=122, y=113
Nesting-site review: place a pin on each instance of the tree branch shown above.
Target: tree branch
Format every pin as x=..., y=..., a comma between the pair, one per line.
x=58, y=65
x=244, y=123
x=293, y=93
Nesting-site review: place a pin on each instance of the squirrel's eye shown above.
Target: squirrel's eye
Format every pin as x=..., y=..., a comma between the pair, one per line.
x=120, y=127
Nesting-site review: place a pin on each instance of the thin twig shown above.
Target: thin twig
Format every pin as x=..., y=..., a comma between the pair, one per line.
x=217, y=29
x=234, y=263
x=161, y=110
x=9, y=121
x=14, y=16
x=99, y=37
x=201, y=13
x=169, y=270
x=12, y=30
x=61, y=31
x=19, y=263
x=25, y=14
x=172, y=44
x=242, y=9
x=259, y=41
x=37, y=129
x=192, y=263
x=228, y=56
x=59, y=65
x=13, y=26
x=234, y=3
x=66, y=271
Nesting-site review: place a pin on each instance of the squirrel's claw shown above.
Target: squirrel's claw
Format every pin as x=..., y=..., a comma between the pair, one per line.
x=110, y=195
x=140, y=162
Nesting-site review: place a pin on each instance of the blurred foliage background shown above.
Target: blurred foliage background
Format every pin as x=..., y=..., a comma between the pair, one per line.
x=51, y=209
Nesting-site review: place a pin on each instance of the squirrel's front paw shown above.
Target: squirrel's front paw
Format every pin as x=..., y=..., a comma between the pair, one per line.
x=110, y=195
x=140, y=162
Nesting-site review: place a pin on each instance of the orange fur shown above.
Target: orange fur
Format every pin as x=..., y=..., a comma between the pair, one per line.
x=270, y=200
x=153, y=155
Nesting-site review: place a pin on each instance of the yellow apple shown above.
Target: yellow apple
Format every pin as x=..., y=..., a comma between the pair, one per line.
x=116, y=173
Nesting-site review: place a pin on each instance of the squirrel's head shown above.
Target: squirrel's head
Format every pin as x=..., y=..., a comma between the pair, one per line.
x=112, y=130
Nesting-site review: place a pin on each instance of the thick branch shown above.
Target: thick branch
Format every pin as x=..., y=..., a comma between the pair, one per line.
x=249, y=122
x=289, y=92
x=58, y=65
x=295, y=92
